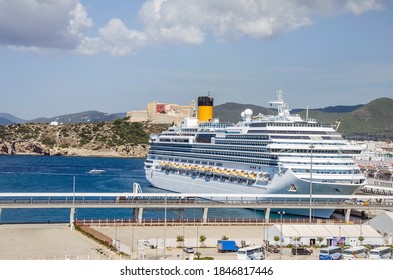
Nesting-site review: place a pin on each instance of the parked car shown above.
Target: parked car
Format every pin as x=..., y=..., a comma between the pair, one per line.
x=273, y=249
x=188, y=250
x=301, y=251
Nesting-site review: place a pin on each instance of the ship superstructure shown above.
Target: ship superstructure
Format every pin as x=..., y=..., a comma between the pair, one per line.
x=275, y=154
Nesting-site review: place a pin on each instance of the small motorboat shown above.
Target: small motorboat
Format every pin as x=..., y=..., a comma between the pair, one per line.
x=96, y=171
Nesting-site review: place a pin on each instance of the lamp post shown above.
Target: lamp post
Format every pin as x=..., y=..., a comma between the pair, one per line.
x=311, y=147
x=281, y=213
x=116, y=242
x=132, y=244
x=165, y=221
x=73, y=204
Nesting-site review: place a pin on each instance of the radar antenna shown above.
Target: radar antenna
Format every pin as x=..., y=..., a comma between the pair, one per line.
x=282, y=107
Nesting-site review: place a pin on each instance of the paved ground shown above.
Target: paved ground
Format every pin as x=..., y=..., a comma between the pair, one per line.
x=47, y=241
x=134, y=237
x=57, y=241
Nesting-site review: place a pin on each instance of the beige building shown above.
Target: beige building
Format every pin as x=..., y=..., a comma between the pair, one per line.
x=163, y=113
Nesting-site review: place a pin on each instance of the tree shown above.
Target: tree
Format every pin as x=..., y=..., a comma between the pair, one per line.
x=319, y=239
x=202, y=239
x=361, y=238
x=224, y=237
x=276, y=238
x=180, y=239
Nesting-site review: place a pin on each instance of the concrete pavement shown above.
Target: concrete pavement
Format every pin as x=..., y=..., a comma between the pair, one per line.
x=57, y=241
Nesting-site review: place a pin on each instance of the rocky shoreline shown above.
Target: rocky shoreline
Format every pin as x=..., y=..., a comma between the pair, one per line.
x=33, y=148
x=119, y=138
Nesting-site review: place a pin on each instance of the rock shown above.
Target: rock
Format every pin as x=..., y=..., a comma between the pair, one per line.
x=4, y=149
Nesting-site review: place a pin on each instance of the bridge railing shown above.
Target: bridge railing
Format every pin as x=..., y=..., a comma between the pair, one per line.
x=209, y=221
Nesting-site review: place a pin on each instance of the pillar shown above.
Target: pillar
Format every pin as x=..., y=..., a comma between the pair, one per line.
x=267, y=215
x=347, y=215
x=72, y=217
x=204, y=215
x=140, y=214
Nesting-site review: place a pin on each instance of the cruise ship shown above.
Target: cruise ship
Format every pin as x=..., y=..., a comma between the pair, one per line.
x=275, y=154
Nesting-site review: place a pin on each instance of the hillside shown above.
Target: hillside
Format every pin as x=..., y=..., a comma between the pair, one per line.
x=4, y=121
x=9, y=119
x=230, y=112
x=82, y=117
x=372, y=120
x=115, y=138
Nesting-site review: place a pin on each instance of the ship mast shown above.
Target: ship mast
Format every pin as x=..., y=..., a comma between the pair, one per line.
x=282, y=107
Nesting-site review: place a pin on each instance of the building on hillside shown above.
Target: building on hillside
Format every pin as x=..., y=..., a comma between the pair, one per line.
x=163, y=113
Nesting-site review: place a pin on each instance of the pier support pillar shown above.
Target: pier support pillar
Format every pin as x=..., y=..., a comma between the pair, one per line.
x=347, y=215
x=204, y=215
x=267, y=215
x=0, y=215
x=140, y=214
x=72, y=217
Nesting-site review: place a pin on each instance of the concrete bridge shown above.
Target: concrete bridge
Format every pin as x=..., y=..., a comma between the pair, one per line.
x=140, y=201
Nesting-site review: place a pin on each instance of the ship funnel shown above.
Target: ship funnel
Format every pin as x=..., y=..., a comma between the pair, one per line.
x=205, y=109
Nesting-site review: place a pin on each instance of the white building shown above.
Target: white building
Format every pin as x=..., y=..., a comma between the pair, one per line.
x=383, y=223
x=331, y=234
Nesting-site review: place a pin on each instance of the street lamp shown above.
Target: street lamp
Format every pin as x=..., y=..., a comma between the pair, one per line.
x=165, y=221
x=311, y=147
x=116, y=241
x=281, y=213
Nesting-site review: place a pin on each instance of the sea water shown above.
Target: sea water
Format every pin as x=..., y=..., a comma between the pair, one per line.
x=21, y=173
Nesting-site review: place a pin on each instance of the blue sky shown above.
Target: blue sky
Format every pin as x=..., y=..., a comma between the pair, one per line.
x=67, y=56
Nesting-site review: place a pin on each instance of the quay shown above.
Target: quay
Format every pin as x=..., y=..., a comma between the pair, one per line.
x=140, y=201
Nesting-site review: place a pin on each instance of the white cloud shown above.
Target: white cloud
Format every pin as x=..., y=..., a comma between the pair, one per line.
x=361, y=6
x=79, y=20
x=227, y=19
x=32, y=24
x=114, y=38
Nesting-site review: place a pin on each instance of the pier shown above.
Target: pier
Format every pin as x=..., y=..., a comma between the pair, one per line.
x=140, y=201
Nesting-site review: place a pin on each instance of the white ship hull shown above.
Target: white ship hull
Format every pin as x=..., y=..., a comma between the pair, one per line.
x=280, y=184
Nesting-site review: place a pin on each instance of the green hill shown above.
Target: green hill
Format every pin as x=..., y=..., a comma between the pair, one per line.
x=230, y=112
x=373, y=119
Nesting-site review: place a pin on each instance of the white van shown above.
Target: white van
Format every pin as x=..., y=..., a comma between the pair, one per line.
x=251, y=253
x=381, y=253
x=357, y=252
x=330, y=253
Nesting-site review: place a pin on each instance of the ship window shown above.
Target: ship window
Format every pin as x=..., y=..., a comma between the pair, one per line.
x=204, y=138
